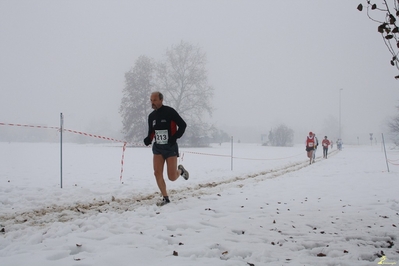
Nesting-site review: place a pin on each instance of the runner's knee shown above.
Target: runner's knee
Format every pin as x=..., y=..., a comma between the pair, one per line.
x=157, y=173
x=173, y=175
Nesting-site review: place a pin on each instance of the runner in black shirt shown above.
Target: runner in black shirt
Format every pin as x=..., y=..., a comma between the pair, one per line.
x=165, y=126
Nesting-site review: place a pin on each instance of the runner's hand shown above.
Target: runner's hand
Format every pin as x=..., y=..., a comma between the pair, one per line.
x=147, y=141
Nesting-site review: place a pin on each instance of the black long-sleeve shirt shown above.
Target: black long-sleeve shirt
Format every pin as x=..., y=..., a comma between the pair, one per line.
x=165, y=123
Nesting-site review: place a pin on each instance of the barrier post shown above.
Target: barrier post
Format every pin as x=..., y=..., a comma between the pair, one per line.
x=386, y=159
x=61, y=130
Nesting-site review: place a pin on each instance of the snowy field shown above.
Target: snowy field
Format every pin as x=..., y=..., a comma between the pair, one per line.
x=267, y=206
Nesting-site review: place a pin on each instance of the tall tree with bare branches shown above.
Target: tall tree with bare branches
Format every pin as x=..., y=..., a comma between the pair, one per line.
x=135, y=105
x=385, y=14
x=393, y=125
x=183, y=79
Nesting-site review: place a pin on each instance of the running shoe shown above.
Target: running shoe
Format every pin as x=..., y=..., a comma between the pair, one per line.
x=163, y=202
x=184, y=172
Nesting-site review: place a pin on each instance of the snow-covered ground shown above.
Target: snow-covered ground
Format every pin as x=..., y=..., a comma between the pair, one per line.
x=267, y=206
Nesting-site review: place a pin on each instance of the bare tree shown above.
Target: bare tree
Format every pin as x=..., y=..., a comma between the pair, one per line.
x=393, y=125
x=386, y=16
x=281, y=136
x=135, y=105
x=183, y=79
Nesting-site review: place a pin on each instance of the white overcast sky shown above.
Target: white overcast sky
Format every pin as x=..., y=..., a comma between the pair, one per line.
x=270, y=62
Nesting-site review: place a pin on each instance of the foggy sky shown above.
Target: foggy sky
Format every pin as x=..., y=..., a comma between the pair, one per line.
x=270, y=62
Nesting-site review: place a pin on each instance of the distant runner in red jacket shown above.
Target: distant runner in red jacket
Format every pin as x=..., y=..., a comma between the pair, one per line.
x=325, y=143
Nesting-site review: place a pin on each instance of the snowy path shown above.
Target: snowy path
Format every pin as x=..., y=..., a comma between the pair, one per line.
x=340, y=211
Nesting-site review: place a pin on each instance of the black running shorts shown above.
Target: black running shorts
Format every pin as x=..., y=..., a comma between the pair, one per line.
x=166, y=150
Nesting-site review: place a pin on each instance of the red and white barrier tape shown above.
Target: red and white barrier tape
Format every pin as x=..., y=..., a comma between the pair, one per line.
x=242, y=158
x=77, y=132
x=392, y=162
x=93, y=135
x=31, y=126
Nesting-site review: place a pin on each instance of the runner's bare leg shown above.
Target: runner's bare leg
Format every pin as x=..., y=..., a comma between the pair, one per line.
x=171, y=164
x=158, y=163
